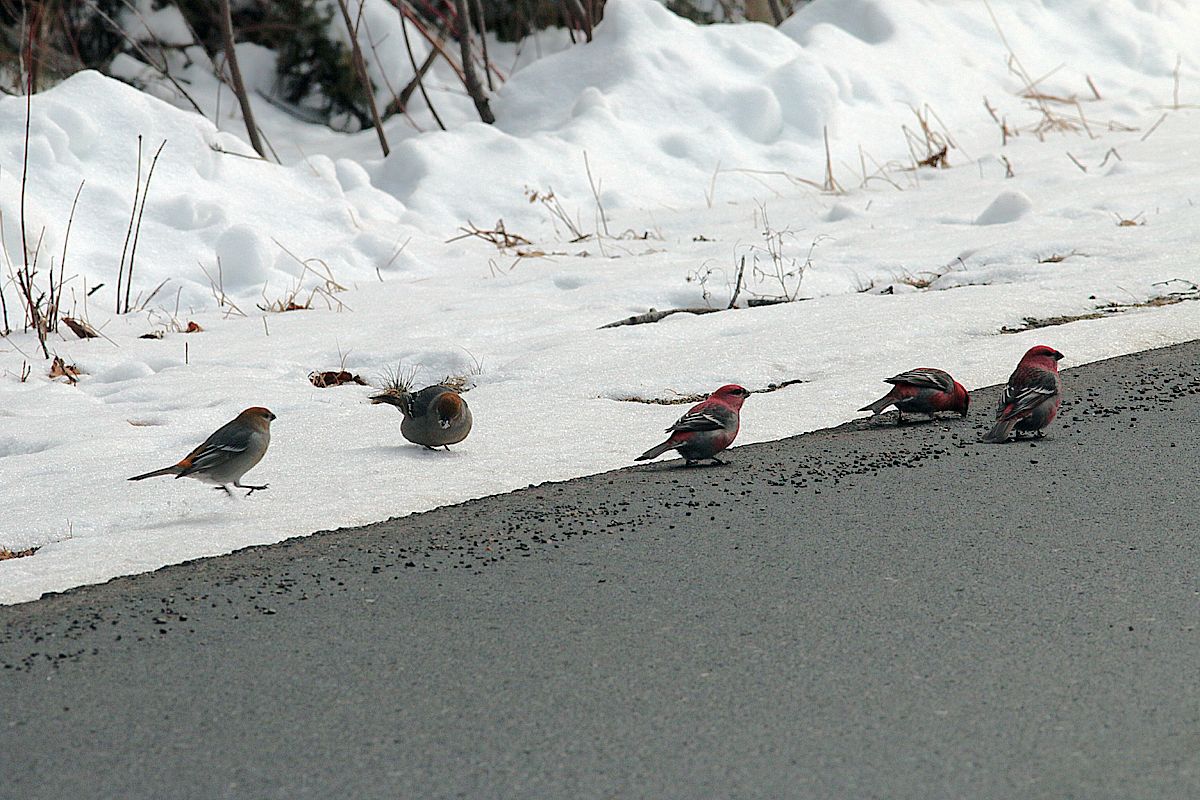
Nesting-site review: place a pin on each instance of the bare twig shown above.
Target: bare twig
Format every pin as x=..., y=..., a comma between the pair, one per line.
x=655, y=316
x=136, y=45
x=1083, y=119
x=712, y=186
x=470, y=79
x=497, y=236
x=483, y=48
x=239, y=88
x=418, y=73
x=737, y=284
x=360, y=66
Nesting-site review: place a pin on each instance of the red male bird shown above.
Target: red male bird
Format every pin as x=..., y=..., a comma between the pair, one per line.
x=706, y=429
x=922, y=391
x=1030, y=400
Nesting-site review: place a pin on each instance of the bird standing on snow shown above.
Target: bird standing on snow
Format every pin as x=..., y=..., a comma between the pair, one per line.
x=706, y=429
x=1030, y=400
x=228, y=454
x=436, y=416
x=922, y=391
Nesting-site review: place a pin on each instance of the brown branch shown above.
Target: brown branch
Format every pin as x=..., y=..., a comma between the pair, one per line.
x=470, y=79
x=360, y=67
x=239, y=88
x=418, y=80
x=579, y=16
x=146, y=57
x=487, y=64
x=418, y=73
x=737, y=284
x=435, y=43
x=655, y=316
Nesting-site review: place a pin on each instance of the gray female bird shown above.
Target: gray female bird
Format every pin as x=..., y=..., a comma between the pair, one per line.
x=436, y=416
x=228, y=454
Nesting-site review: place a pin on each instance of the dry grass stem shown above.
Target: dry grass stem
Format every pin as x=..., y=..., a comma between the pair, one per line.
x=498, y=236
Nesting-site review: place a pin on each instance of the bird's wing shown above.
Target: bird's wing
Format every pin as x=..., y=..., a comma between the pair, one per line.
x=707, y=419
x=1036, y=389
x=227, y=442
x=924, y=378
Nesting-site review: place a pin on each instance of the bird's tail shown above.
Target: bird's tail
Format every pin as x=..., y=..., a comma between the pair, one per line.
x=171, y=470
x=395, y=397
x=878, y=406
x=655, y=452
x=1000, y=432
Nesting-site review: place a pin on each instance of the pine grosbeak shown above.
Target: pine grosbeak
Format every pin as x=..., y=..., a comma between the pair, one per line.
x=706, y=429
x=1030, y=400
x=922, y=391
x=228, y=454
x=436, y=416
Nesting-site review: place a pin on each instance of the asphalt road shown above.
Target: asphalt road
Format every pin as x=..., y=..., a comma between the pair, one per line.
x=862, y=612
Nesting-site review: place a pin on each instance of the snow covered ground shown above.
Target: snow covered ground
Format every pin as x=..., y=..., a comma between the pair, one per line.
x=704, y=145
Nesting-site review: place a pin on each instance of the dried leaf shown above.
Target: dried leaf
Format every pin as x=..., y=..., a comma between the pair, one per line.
x=323, y=380
x=60, y=369
x=80, y=328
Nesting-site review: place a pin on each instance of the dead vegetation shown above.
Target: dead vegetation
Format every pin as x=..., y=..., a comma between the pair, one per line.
x=402, y=379
x=929, y=147
x=324, y=288
x=6, y=554
x=1191, y=292
x=80, y=328
x=654, y=316
x=681, y=399
x=61, y=369
x=324, y=380
x=497, y=236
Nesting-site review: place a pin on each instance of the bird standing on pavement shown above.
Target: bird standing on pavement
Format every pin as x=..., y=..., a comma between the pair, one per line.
x=436, y=416
x=1030, y=400
x=922, y=391
x=227, y=455
x=706, y=429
